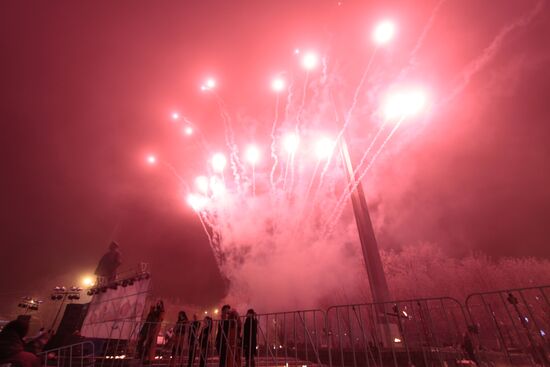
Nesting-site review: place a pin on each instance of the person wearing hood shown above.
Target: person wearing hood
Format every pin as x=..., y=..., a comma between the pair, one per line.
x=107, y=268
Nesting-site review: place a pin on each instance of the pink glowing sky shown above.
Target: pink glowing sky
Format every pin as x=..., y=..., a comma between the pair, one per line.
x=88, y=89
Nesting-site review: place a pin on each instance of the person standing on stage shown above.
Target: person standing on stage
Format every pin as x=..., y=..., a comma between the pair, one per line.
x=107, y=268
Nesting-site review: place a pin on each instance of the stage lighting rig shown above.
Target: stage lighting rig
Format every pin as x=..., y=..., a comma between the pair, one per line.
x=29, y=304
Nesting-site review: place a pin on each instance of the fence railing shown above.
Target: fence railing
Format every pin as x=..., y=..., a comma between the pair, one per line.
x=506, y=327
x=401, y=333
x=75, y=355
x=512, y=325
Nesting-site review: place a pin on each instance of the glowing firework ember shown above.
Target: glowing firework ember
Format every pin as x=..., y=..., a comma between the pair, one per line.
x=404, y=103
x=310, y=61
x=202, y=184
x=151, y=159
x=384, y=32
x=290, y=143
x=175, y=116
x=218, y=162
x=252, y=154
x=278, y=84
x=256, y=218
x=197, y=202
x=188, y=130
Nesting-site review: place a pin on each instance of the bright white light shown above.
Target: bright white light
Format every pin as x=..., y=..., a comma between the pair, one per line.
x=217, y=186
x=290, y=143
x=175, y=116
x=404, y=103
x=188, y=130
x=296, y=51
x=278, y=84
x=324, y=147
x=88, y=281
x=310, y=61
x=201, y=182
x=252, y=154
x=396, y=340
x=383, y=32
x=210, y=83
x=218, y=162
x=197, y=202
x=151, y=159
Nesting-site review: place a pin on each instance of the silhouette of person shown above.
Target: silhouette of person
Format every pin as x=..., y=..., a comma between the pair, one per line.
x=12, y=345
x=108, y=265
x=250, y=333
x=204, y=340
x=223, y=335
x=193, y=336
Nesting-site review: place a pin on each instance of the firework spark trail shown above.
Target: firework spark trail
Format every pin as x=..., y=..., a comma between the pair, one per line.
x=324, y=75
x=235, y=162
x=310, y=186
x=204, y=143
x=426, y=30
x=176, y=174
x=338, y=210
x=289, y=99
x=253, y=180
x=490, y=51
x=352, y=185
x=369, y=148
x=199, y=214
x=286, y=170
x=303, y=103
x=214, y=239
x=292, y=158
x=273, y=150
x=348, y=115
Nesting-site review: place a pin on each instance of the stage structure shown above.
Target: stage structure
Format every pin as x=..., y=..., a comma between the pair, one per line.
x=118, y=308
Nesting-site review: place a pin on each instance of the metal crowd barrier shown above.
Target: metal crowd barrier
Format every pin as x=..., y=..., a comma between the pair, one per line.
x=420, y=332
x=74, y=355
x=499, y=328
x=281, y=339
x=511, y=326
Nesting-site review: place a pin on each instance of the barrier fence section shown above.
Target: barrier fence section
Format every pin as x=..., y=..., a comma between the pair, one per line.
x=274, y=339
x=422, y=332
x=74, y=355
x=504, y=328
x=511, y=326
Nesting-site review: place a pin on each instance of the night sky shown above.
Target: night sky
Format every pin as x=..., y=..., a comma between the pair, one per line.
x=87, y=88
